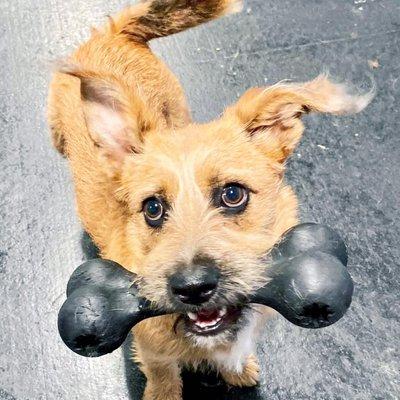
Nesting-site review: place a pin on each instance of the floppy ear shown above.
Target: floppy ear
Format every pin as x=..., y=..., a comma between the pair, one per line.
x=272, y=116
x=116, y=116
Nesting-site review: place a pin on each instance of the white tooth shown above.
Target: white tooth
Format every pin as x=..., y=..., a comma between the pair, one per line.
x=192, y=316
x=222, y=311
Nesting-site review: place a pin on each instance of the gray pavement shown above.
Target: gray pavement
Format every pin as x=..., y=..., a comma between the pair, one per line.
x=346, y=173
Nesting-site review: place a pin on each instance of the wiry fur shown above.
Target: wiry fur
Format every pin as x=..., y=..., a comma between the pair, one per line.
x=159, y=18
x=120, y=117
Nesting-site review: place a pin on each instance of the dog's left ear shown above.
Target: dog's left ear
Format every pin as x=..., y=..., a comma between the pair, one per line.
x=272, y=116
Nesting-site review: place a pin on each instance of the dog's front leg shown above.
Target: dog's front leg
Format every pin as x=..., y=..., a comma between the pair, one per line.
x=163, y=381
x=157, y=352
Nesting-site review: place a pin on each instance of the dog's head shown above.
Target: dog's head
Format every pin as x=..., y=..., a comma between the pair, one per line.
x=205, y=203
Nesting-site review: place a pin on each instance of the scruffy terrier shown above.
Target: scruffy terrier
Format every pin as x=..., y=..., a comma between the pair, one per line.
x=191, y=208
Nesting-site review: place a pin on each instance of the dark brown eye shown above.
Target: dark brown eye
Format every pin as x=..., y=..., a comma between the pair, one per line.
x=154, y=212
x=234, y=196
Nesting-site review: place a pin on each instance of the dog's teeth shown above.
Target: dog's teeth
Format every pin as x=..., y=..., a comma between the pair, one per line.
x=208, y=324
x=192, y=316
x=222, y=311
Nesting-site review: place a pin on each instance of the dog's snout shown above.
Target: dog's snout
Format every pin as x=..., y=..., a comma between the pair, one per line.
x=194, y=285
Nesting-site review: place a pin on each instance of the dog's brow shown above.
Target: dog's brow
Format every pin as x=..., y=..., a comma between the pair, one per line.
x=158, y=193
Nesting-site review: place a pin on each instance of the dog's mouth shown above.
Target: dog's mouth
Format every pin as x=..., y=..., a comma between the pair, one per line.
x=212, y=321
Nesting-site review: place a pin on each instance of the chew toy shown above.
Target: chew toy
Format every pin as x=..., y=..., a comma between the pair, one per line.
x=309, y=285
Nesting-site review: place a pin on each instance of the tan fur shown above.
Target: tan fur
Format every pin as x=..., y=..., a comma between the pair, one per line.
x=247, y=378
x=121, y=118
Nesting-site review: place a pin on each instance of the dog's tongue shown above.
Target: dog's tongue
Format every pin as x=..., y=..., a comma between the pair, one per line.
x=207, y=315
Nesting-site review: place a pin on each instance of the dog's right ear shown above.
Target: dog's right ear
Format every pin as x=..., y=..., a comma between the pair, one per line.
x=116, y=117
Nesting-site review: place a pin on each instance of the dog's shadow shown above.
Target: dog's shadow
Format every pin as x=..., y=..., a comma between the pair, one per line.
x=195, y=385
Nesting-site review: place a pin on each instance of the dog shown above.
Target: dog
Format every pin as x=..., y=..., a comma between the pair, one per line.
x=191, y=208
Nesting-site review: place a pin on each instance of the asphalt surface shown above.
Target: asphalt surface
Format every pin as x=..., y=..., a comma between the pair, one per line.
x=346, y=173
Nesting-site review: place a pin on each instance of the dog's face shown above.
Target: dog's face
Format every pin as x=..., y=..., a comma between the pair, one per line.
x=205, y=203
x=202, y=212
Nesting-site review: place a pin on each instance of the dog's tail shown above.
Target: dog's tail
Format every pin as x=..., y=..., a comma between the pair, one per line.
x=156, y=18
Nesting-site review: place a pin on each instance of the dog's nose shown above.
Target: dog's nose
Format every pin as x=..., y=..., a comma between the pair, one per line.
x=194, y=285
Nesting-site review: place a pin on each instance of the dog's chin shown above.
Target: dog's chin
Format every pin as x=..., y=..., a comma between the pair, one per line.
x=212, y=327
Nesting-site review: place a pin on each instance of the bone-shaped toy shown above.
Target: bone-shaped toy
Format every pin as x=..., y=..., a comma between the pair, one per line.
x=309, y=285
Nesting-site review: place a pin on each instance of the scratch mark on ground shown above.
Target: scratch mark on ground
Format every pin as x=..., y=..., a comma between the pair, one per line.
x=306, y=45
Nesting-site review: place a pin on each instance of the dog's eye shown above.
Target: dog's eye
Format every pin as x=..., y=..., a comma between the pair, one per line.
x=154, y=212
x=234, y=197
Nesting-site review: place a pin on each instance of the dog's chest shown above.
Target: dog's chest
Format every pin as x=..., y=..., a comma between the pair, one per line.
x=244, y=345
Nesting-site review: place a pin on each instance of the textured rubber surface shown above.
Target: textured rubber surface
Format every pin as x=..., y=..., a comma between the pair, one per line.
x=346, y=173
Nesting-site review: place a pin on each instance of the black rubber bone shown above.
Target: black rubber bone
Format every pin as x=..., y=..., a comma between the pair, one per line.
x=308, y=284
x=101, y=308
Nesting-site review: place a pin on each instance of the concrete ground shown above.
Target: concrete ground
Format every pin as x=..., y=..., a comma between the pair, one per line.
x=346, y=173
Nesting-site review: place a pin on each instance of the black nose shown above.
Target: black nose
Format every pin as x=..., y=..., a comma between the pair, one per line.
x=195, y=284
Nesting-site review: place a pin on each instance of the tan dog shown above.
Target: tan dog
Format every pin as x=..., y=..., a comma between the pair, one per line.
x=189, y=207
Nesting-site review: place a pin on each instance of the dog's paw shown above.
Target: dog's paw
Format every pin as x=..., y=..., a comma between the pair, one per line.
x=250, y=376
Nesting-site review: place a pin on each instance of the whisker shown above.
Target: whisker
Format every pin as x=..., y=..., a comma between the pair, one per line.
x=254, y=308
x=179, y=318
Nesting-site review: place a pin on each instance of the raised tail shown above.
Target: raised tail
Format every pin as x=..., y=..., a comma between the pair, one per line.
x=157, y=18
